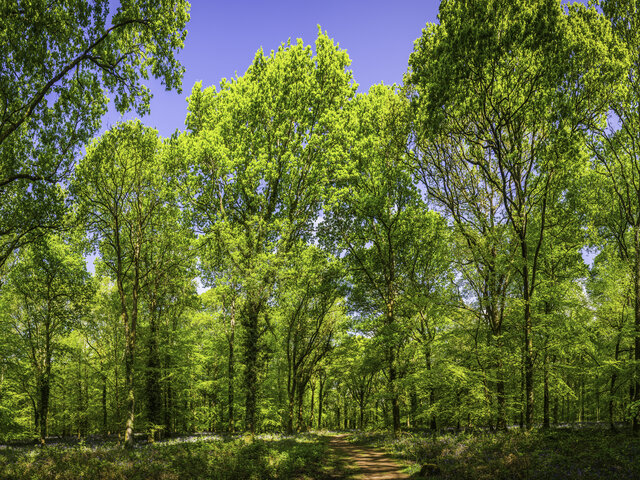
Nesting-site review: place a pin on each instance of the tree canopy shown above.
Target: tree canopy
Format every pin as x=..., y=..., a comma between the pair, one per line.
x=460, y=251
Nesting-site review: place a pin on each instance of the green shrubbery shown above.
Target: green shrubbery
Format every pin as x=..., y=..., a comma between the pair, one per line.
x=272, y=457
x=558, y=453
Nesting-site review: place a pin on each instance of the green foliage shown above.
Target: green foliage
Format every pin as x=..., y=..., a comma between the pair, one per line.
x=54, y=93
x=270, y=457
x=563, y=453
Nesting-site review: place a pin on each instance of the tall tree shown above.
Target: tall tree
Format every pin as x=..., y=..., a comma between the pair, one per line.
x=377, y=220
x=50, y=288
x=59, y=61
x=124, y=198
x=617, y=158
x=307, y=299
x=263, y=147
x=507, y=88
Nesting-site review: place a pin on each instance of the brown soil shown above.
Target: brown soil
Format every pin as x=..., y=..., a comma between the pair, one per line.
x=365, y=462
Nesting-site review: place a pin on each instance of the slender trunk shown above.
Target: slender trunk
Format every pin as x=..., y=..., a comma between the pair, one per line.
x=251, y=367
x=631, y=387
x=104, y=403
x=413, y=397
x=395, y=406
x=636, y=393
x=581, y=399
x=300, y=402
x=545, y=406
x=528, y=358
x=44, y=407
x=292, y=387
x=612, y=388
x=231, y=367
x=129, y=382
x=169, y=418
x=44, y=380
x=432, y=390
x=501, y=414
x=522, y=394
x=346, y=413
x=130, y=343
x=154, y=393
x=320, y=401
x=311, y=408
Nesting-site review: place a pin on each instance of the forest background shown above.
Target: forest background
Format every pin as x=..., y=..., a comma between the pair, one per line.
x=409, y=257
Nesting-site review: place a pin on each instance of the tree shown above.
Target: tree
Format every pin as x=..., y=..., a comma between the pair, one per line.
x=59, y=60
x=377, y=221
x=262, y=148
x=50, y=289
x=508, y=100
x=124, y=197
x=616, y=158
x=308, y=303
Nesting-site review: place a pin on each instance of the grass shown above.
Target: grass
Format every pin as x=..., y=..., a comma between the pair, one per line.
x=263, y=457
x=558, y=453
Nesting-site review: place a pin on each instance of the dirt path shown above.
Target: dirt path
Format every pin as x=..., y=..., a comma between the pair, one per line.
x=365, y=462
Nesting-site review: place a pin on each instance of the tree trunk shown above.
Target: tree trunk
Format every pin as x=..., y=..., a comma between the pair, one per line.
x=528, y=359
x=231, y=367
x=300, y=403
x=612, y=388
x=292, y=387
x=320, y=402
x=251, y=367
x=44, y=407
x=154, y=393
x=636, y=284
x=545, y=406
x=346, y=413
x=104, y=404
x=311, y=408
x=395, y=406
x=130, y=343
x=432, y=390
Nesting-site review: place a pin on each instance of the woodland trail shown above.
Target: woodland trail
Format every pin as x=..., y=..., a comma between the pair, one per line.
x=365, y=462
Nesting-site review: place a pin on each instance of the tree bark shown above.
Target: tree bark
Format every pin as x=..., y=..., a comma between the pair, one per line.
x=251, y=367
x=320, y=401
x=231, y=368
x=636, y=344
x=545, y=407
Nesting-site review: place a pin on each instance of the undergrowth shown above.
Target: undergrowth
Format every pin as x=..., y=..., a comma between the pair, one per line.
x=267, y=457
x=538, y=454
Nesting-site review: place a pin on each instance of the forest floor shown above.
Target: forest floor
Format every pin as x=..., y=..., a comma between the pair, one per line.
x=362, y=462
x=559, y=453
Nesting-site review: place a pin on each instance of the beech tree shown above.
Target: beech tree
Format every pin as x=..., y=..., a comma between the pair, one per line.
x=60, y=61
x=262, y=147
x=123, y=196
x=49, y=290
x=377, y=220
x=506, y=90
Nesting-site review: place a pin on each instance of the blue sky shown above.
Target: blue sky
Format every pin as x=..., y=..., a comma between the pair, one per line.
x=224, y=37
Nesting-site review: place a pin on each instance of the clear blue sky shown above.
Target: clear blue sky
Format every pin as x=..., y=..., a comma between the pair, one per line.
x=224, y=36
